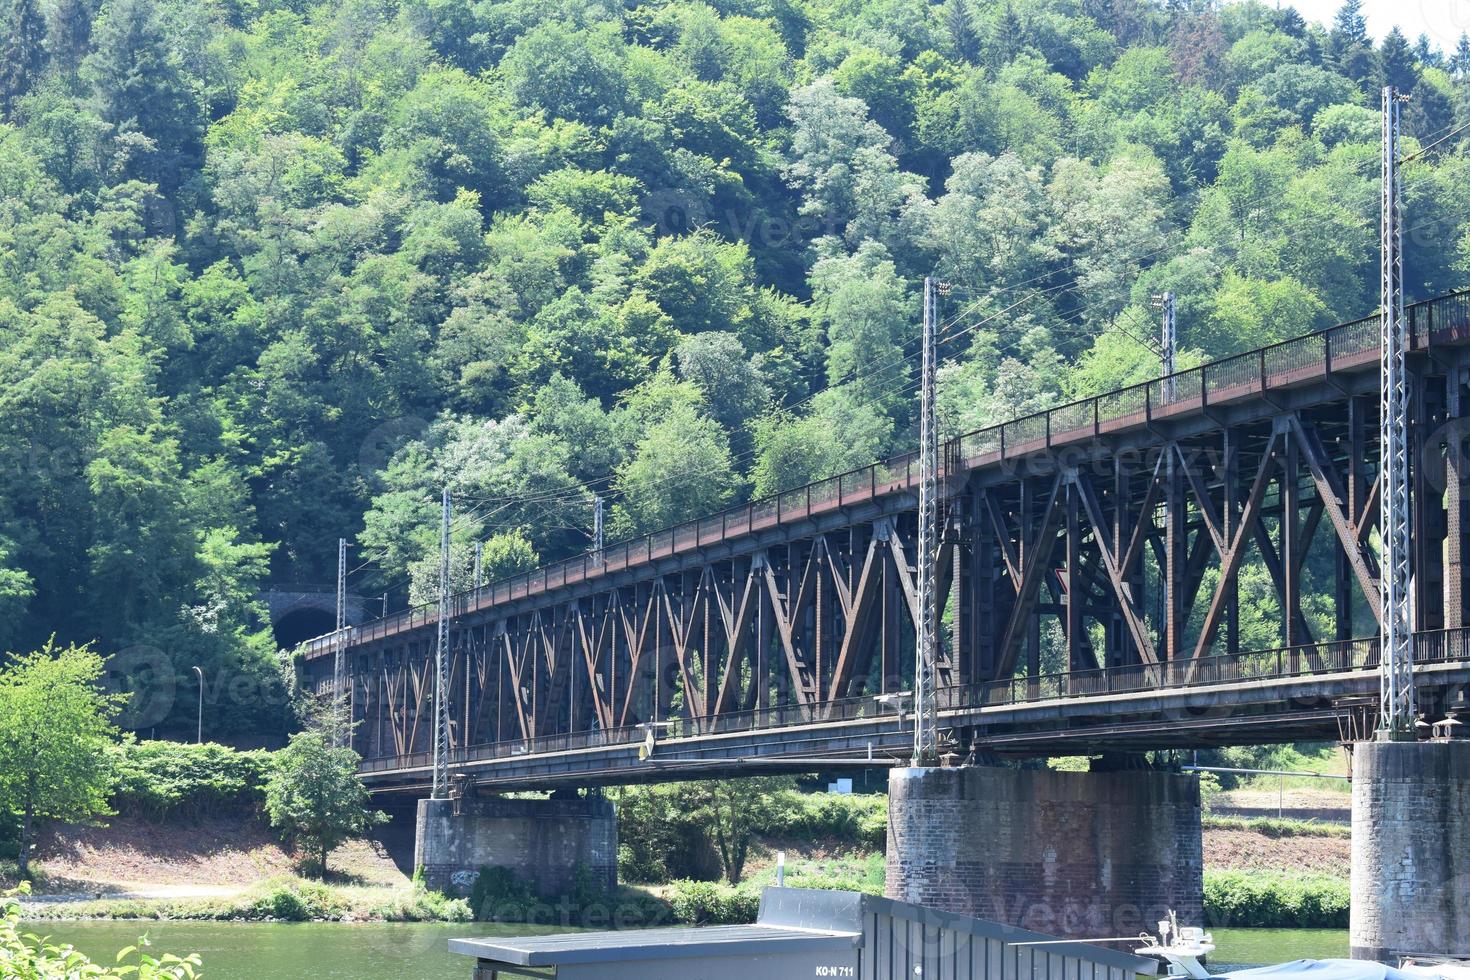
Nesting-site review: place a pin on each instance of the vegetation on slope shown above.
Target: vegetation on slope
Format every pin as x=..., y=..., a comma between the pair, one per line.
x=275, y=270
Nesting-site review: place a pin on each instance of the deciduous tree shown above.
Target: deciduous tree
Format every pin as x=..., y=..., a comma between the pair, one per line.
x=314, y=795
x=55, y=722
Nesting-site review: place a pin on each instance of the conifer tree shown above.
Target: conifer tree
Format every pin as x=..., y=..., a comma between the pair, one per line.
x=1397, y=63
x=70, y=34
x=1460, y=61
x=962, y=30
x=1349, y=25
x=1349, y=49
x=139, y=86
x=23, y=56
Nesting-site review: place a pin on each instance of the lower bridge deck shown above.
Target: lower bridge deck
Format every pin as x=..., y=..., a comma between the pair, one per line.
x=1324, y=692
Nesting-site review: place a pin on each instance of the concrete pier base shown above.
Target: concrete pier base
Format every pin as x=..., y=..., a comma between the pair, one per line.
x=1072, y=854
x=1411, y=850
x=547, y=843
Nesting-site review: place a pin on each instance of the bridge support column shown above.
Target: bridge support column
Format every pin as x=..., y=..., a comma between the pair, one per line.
x=547, y=843
x=1071, y=854
x=1411, y=849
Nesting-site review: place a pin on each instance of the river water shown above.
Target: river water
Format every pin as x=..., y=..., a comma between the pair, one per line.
x=418, y=951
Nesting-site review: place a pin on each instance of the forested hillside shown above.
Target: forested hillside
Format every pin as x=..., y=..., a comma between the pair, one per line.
x=274, y=271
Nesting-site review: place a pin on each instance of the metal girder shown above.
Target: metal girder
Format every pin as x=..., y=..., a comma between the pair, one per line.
x=1136, y=542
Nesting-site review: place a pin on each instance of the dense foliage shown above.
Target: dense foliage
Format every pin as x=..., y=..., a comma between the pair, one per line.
x=165, y=780
x=1241, y=899
x=704, y=829
x=273, y=271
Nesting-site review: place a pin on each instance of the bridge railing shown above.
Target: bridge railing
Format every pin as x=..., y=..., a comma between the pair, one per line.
x=1348, y=345
x=1208, y=671
x=1332, y=657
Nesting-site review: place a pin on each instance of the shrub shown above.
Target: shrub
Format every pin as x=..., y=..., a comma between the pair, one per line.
x=864, y=874
x=418, y=904
x=852, y=819
x=1266, y=899
x=296, y=900
x=499, y=895
x=702, y=903
x=162, y=779
x=284, y=904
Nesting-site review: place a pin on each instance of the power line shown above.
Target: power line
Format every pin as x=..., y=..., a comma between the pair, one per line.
x=1439, y=142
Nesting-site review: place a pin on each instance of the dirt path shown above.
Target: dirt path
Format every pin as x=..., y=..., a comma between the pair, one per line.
x=139, y=891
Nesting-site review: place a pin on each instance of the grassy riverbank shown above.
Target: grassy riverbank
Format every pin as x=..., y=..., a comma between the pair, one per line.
x=280, y=899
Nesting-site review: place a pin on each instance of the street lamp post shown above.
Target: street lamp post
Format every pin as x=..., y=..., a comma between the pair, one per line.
x=199, y=731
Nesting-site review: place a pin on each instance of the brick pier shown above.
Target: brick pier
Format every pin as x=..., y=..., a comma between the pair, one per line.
x=547, y=843
x=1072, y=854
x=1411, y=850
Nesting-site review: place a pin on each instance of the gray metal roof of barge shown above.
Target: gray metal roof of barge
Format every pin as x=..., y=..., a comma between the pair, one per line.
x=649, y=944
x=791, y=920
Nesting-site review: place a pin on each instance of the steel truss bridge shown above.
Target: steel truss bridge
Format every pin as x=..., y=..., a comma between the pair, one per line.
x=1092, y=573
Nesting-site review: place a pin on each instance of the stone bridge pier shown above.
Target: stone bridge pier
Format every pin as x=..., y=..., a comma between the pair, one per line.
x=1072, y=854
x=1411, y=850
x=549, y=844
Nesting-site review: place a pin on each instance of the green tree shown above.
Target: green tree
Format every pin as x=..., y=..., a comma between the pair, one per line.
x=843, y=163
x=55, y=725
x=728, y=376
x=841, y=432
x=1250, y=313
x=602, y=438
x=448, y=130
x=1109, y=224
x=961, y=28
x=681, y=469
x=70, y=33
x=506, y=554
x=314, y=796
x=734, y=810
x=867, y=317
x=989, y=228
x=567, y=71
x=1349, y=49
x=1460, y=60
